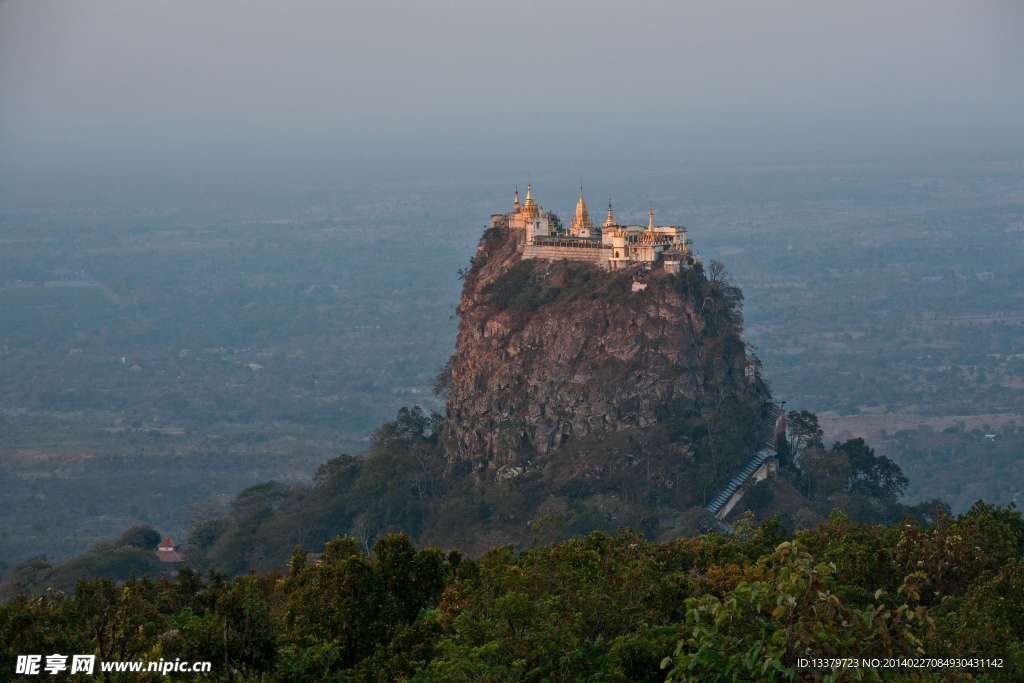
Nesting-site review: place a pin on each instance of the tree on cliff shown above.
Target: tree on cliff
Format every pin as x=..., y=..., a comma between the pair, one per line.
x=443, y=382
x=804, y=432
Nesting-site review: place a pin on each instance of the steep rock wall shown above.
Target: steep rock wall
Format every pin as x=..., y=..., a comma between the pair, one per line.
x=548, y=351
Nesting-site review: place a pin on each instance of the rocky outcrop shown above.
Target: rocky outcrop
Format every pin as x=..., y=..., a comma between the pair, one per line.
x=551, y=351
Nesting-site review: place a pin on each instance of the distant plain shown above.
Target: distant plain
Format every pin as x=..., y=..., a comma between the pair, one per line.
x=279, y=307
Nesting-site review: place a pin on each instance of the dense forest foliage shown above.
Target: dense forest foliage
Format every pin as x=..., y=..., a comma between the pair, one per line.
x=750, y=604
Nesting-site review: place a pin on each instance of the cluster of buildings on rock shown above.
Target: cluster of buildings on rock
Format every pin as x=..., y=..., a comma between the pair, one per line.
x=611, y=246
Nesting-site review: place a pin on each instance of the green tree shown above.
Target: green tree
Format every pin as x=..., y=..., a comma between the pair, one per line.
x=139, y=536
x=785, y=612
x=443, y=382
x=872, y=476
x=804, y=432
x=826, y=472
x=122, y=621
x=228, y=623
x=338, y=612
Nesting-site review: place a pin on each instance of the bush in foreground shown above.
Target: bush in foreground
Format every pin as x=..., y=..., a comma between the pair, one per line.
x=749, y=605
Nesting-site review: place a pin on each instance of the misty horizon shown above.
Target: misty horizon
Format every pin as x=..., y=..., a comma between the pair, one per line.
x=318, y=65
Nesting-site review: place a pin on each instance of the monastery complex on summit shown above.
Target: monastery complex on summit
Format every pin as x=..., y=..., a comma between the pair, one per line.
x=611, y=246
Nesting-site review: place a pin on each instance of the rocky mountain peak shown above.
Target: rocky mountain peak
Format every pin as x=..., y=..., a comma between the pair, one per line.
x=554, y=351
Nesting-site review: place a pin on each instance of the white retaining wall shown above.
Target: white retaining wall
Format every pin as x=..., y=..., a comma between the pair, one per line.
x=596, y=256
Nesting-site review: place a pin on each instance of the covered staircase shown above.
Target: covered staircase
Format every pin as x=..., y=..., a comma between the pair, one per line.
x=734, y=484
x=765, y=453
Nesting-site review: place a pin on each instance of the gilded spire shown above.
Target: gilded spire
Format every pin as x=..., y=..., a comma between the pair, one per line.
x=610, y=221
x=515, y=206
x=582, y=220
x=649, y=235
x=530, y=209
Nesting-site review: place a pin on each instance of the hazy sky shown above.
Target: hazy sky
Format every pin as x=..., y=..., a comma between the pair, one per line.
x=68, y=63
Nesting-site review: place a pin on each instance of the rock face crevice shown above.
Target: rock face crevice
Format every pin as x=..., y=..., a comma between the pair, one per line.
x=550, y=351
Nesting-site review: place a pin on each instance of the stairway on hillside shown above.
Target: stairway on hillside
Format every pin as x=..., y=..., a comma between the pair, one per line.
x=734, y=484
x=766, y=451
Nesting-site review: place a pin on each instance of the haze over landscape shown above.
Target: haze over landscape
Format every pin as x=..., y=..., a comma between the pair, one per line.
x=249, y=164
x=233, y=236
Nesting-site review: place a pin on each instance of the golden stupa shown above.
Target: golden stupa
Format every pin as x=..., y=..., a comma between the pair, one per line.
x=530, y=209
x=610, y=221
x=582, y=220
x=649, y=235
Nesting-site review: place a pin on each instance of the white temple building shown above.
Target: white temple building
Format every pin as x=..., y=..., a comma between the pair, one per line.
x=612, y=246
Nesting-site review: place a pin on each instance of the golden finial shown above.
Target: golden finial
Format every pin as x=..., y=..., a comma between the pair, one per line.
x=529, y=206
x=611, y=219
x=582, y=220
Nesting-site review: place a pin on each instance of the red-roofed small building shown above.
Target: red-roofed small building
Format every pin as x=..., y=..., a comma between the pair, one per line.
x=168, y=552
x=135, y=368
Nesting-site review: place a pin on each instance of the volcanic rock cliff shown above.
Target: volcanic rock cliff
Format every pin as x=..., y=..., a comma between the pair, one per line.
x=550, y=352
